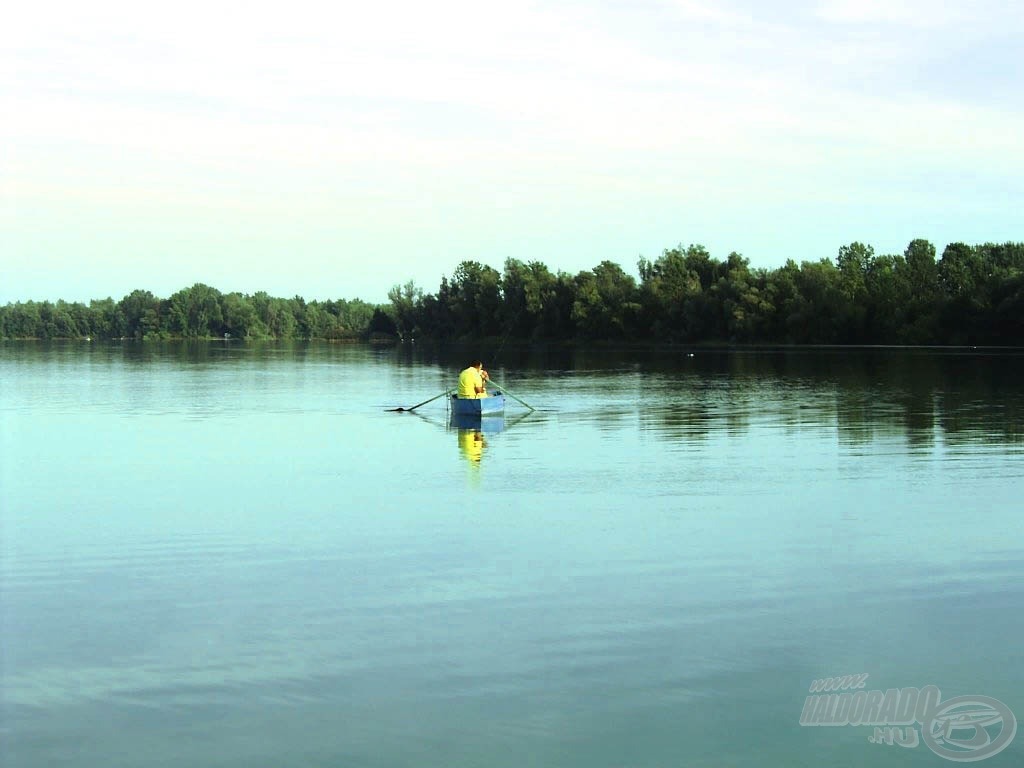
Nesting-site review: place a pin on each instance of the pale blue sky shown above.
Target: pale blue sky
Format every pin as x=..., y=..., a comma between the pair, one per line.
x=334, y=149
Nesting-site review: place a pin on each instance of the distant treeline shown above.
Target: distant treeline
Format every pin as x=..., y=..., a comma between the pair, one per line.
x=971, y=295
x=196, y=312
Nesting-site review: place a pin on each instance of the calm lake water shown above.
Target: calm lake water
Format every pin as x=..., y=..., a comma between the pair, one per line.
x=232, y=555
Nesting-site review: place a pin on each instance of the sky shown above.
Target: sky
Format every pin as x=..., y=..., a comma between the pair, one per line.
x=336, y=149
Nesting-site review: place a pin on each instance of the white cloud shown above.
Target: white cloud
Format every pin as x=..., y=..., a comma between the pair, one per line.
x=714, y=13
x=436, y=124
x=913, y=13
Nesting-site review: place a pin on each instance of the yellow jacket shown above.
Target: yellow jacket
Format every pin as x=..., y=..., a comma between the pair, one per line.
x=469, y=381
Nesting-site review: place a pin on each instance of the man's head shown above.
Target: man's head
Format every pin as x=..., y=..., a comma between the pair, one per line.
x=477, y=364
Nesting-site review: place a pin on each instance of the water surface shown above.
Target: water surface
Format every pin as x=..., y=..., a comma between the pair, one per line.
x=236, y=555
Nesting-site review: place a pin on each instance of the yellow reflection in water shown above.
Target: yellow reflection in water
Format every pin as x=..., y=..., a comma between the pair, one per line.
x=471, y=444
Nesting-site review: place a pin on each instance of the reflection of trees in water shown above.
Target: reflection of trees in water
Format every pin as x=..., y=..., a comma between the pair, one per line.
x=918, y=395
x=685, y=423
x=684, y=393
x=922, y=396
x=181, y=351
x=888, y=396
x=983, y=402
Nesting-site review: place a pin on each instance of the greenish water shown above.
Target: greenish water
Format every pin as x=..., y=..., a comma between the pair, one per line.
x=225, y=555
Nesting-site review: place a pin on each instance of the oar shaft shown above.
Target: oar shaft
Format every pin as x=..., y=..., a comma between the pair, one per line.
x=429, y=401
x=522, y=402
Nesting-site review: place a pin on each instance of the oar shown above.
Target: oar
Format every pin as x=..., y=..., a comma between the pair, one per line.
x=492, y=381
x=419, y=404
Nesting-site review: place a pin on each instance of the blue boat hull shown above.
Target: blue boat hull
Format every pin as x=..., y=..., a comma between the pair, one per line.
x=480, y=406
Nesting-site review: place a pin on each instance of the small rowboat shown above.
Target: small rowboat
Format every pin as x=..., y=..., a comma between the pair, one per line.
x=478, y=406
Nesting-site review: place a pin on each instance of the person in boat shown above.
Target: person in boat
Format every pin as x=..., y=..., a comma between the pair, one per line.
x=473, y=381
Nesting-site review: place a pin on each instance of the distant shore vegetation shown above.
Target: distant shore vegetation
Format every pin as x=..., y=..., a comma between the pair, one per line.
x=971, y=295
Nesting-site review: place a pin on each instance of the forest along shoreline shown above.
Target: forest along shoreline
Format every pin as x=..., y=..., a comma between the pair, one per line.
x=973, y=295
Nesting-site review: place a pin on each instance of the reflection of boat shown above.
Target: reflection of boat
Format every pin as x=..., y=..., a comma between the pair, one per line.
x=490, y=425
x=478, y=406
x=474, y=432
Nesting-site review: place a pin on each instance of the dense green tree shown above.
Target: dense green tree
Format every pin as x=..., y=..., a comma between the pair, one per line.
x=475, y=300
x=607, y=303
x=107, y=319
x=921, y=269
x=436, y=312
x=519, y=313
x=782, y=298
x=22, y=320
x=354, y=316
x=275, y=314
x=196, y=313
x=82, y=318
x=239, y=318
x=382, y=323
x=137, y=308
x=743, y=301
x=978, y=283
x=919, y=278
x=296, y=308
x=854, y=262
x=318, y=323
x=960, y=270
x=62, y=323
x=405, y=300
x=537, y=303
x=821, y=306
x=1008, y=310
x=884, y=303
x=668, y=287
